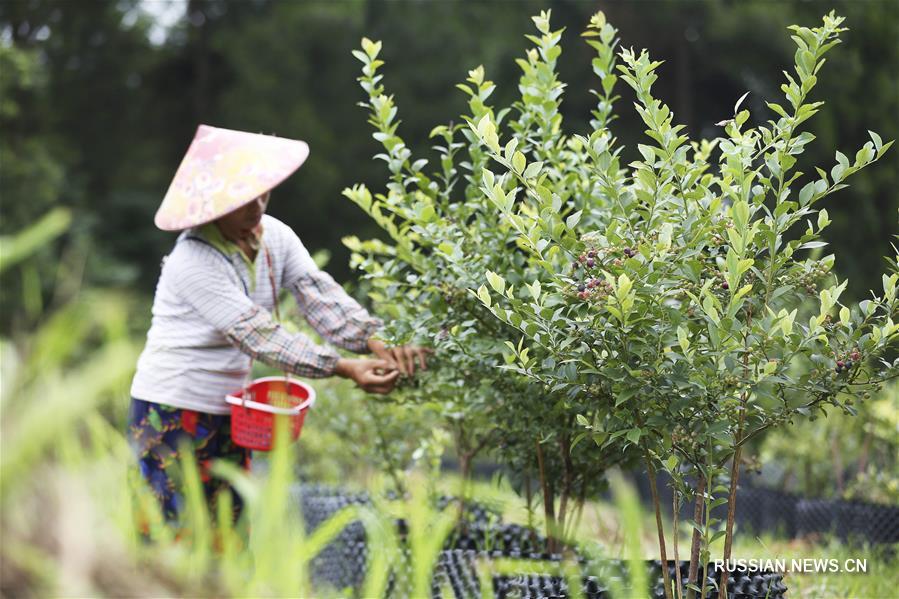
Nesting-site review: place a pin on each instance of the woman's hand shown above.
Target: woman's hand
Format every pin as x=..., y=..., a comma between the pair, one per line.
x=404, y=357
x=373, y=376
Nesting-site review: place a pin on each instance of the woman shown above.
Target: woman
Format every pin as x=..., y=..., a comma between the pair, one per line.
x=212, y=312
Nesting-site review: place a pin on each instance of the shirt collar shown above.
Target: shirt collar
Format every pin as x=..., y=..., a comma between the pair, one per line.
x=211, y=233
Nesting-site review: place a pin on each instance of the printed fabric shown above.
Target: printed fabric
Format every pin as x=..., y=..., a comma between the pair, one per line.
x=159, y=434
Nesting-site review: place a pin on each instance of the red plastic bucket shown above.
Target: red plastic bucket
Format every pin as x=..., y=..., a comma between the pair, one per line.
x=253, y=410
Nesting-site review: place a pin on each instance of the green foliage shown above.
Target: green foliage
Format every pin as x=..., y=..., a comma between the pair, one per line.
x=427, y=281
x=676, y=302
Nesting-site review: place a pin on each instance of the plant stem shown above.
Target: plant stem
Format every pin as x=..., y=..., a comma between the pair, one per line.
x=529, y=496
x=706, y=527
x=837, y=459
x=548, y=501
x=735, y=475
x=863, y=458
x=675, y=516
x=666, y=578
x=697, y=536
x=465, y=473
x=565, y=447
x=731, y=511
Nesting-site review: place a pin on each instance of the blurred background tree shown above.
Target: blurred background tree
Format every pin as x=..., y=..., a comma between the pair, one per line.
x=100, y=100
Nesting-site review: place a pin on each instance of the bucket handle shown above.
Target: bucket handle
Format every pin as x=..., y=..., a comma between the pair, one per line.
x=277, y=313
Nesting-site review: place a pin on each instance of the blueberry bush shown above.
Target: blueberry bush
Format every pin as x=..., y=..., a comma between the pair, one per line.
x=687, y=298
x=444, y=234
x=666, y=309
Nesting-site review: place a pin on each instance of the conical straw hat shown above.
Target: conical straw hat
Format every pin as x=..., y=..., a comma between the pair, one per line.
x=224, y=170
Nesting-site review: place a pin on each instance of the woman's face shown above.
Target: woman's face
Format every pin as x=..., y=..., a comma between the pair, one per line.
x=239, y=225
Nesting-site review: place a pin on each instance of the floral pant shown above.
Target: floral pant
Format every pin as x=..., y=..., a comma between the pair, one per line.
x=158, y=434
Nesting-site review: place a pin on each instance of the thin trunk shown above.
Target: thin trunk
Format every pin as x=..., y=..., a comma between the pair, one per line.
x=529, y=497
x=565, y=447
x=810, y=489
x=731, y=512
x=666, y=577
x=696, y=541
x=465, y=472
x=579, y=509
x=675, y=511
x=735, y=474
x=548, y=501
x=863, y=458
x=837, y=458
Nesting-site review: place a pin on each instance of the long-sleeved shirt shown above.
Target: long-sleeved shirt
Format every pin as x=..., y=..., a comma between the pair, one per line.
x=209, y=318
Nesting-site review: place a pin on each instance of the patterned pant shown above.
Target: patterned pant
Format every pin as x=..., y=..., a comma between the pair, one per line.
x=157, y=434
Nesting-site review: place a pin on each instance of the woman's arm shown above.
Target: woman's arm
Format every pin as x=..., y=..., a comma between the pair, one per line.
x=217, y=298
x=335, y=315
x=330, y=310
x=201, y=282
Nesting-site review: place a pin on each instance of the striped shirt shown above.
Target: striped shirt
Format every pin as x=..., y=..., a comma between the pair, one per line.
x=209, y=319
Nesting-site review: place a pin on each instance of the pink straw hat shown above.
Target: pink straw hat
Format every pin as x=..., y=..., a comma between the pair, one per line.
x=224, y=170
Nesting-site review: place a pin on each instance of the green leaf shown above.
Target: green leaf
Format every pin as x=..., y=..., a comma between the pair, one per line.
x=717, y=427
x=532, y=170
x=510, y=149
x=20, y=246
x=496, y=281
x=484, y=295
x=671, y=463
x=683, y=339
x=844, y=316
x=812, y=244
x=740, y=214
x=633, y=435
x=573, y=219
x=518, y=162
x=371, y=48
